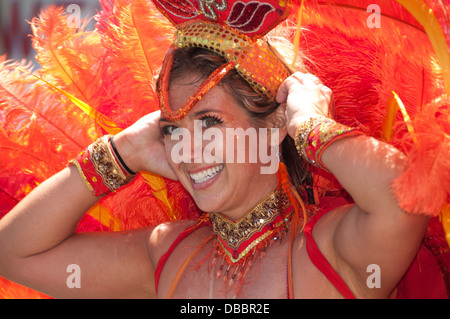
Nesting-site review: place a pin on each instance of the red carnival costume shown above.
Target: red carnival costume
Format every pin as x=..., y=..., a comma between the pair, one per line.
x=389, y=71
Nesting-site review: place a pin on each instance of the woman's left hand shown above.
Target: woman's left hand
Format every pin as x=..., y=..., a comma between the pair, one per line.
x=305, y=96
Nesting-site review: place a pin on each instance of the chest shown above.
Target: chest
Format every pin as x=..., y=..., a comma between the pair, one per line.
x=267, y=278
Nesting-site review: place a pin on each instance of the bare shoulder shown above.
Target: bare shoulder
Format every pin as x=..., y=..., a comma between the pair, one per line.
x=163, y=235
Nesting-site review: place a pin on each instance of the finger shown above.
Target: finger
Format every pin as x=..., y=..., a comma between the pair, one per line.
x=282, y=93
x=296, y=78
x=155, y=116
x=284, y=89
x=307, y=78
x=331, y=108
x=286, y=86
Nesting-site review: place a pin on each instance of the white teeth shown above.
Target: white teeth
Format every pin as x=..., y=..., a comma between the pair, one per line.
x=203, y=176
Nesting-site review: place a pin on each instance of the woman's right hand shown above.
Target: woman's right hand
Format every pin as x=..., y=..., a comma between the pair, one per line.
x=142, y=148
x=305, y=97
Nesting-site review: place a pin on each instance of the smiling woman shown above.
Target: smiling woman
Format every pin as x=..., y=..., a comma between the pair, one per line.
x=230, y=80
x=227, y=184
x=262, y=113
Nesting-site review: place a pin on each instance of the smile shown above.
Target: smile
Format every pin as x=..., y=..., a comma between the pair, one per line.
x=206, y=174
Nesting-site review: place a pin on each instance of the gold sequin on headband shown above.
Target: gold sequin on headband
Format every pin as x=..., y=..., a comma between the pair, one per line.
x=254, y=60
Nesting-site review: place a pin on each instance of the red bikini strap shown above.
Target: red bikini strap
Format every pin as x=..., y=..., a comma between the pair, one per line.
x=319, y=260
x=162, y=261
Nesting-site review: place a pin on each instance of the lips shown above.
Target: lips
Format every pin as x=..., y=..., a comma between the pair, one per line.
x=206, y=174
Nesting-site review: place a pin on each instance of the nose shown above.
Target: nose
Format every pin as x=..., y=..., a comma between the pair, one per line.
x=187, y=145
x=197, y=143
x=207, y=145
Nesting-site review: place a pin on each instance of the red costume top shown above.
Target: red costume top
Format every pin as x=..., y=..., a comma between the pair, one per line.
x=314, y=253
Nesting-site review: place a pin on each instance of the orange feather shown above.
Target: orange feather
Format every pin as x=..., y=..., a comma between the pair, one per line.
x=425, y=185
x=67, y=54
x=136, y=37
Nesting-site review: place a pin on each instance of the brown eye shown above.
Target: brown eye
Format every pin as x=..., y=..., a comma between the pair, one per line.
x=210, y=121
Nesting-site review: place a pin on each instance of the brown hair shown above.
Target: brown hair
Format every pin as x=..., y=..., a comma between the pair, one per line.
x=203, y=62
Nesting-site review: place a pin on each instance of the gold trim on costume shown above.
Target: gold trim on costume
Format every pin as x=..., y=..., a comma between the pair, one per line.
x=236, y=233
x=106, y=166
x=80, y=171
x=254, y=60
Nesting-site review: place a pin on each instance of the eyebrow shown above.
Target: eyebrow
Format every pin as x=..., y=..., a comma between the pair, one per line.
x=196, y=114
x=199, y=113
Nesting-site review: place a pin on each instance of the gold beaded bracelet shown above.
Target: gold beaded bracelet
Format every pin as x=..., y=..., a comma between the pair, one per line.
x=313, y=136
x=99, y=169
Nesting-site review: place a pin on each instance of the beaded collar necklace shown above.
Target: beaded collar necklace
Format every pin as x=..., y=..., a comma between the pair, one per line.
x=240, y=243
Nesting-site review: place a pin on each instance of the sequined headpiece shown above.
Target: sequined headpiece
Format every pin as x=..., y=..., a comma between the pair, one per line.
x=232, y=29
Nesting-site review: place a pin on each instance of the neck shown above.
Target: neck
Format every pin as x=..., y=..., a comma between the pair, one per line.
x=255, y=196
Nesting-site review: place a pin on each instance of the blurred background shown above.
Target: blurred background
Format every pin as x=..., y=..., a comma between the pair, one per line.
x=15, y=42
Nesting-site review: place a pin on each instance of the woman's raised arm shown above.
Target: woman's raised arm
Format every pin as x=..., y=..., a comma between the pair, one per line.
x=38, y=247
x=375, y=231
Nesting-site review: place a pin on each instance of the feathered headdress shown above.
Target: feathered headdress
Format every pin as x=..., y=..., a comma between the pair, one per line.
x=233, y=30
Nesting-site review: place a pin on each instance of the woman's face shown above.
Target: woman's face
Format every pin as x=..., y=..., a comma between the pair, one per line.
x=213, y=170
